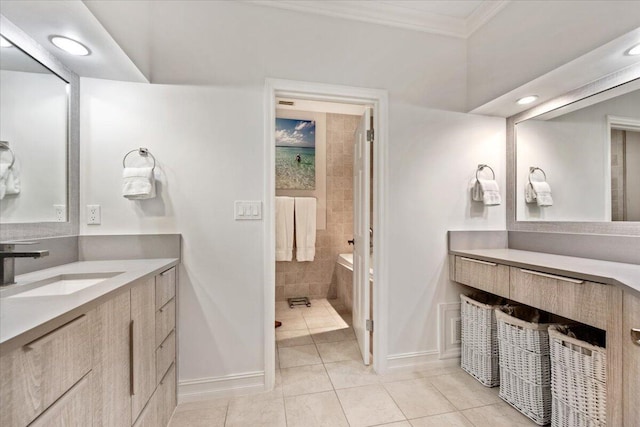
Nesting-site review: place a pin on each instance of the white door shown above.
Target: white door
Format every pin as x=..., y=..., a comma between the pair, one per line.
x=361, y=297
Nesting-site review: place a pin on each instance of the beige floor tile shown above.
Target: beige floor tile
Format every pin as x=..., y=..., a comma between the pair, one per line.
x=398, y=424
x=200, y=414
x=293, y=338
x=298, y=356
x=339, y=351
x=310, y=410
x=305, y=380
x=464, y=391
x=452, y=419
x=315, y=311
x=288, y=314
x=418, y=398
x=292, y=324
x=332, y=334
x=497, y=415
x=351, y=374
x=321, y=301
x=267, y=413
x=369, y=405
x=314, y=322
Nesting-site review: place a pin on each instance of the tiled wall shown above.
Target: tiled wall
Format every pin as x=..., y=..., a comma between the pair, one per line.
x=317, y=278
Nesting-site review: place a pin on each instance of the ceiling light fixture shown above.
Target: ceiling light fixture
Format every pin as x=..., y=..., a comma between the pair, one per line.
x=5, y=43
x=69, y=45
x=527, y=99
x=635, y=50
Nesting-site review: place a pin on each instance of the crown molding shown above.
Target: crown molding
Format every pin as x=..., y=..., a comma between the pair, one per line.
x=394, y=15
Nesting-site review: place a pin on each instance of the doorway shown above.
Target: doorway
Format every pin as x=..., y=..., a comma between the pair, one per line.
x=373, y=104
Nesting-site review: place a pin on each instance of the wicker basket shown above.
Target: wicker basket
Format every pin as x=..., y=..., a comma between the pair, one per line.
x=479, y=341
x=525, y=366
x=579, y=381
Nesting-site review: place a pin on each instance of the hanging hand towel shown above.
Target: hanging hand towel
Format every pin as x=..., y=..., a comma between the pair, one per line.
x=542, y=193
x=487, y=192
x=284, y=228
x=305, y=228
x=9, y=180
x=138, y=183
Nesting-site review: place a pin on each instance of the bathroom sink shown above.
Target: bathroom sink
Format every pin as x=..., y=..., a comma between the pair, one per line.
x=64, y=284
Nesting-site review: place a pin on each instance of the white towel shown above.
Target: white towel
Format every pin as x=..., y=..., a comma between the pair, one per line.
x=487, y=192
x=305, y=228
x=138, y=183
x=529, y=194
x=9, y=179
x=284, y=228
x=543, y=193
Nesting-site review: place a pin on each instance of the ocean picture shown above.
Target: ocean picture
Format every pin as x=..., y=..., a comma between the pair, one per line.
x=295, y=154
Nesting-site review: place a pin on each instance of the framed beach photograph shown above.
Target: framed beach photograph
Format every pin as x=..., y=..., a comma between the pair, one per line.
x=295, y=154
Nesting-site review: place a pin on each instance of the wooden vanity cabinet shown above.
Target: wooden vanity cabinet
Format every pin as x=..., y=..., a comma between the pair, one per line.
x=487, y=276
x=631, y=358
x=143, y=329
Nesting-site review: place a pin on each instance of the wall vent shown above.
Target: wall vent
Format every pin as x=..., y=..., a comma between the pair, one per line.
x=456, y=331
x=285, y=103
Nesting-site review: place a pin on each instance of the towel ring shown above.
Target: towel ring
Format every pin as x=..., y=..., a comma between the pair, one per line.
x=532, y=169
x=143, y=152
x=4, y=145
x=481, y=167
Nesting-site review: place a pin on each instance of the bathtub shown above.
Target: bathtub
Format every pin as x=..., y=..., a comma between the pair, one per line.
x=344, y=278
x=346, y=260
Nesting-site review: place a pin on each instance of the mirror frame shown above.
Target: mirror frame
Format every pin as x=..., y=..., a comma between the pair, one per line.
x=36, y=230
x=628, y=228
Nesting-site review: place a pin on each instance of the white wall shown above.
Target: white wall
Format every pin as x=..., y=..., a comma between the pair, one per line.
x=433, y=157
x=572, y=151
x=34, y=122
x=530, y=38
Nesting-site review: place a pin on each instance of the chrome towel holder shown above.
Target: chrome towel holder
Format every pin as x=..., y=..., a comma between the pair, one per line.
x=4, y=145
x=481, y=168
x=532, y=170
x=143, y=152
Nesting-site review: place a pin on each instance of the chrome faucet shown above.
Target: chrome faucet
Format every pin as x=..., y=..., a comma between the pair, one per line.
x=8, y=256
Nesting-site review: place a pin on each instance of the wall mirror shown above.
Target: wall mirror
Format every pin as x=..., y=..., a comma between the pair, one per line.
x=39, y=140
x=583, y=148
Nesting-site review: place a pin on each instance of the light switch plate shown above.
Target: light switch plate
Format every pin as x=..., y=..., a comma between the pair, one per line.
x=247, y=209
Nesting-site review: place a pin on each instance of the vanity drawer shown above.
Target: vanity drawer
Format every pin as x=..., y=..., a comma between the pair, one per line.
x=165, y=287
x=71, y=410
x=37, y=374
x=575, y=299
x=487, y=276
x=165, y=321
x=167, y=398
x=165, y=355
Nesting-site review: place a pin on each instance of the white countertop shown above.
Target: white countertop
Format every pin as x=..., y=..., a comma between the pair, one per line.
x=613, y=273
x=26, y=318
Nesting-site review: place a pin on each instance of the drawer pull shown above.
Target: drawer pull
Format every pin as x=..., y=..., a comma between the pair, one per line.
x=132, y=389
x=635, y=335
x=43, y=338
x=161, y=309
x=492, y=264
x=552, y=276
x=164, y=273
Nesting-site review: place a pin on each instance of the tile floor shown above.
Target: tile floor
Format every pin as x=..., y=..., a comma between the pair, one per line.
x=321, y=381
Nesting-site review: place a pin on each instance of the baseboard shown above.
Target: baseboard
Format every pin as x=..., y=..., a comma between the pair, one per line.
x=225, y=386
x=420, y=360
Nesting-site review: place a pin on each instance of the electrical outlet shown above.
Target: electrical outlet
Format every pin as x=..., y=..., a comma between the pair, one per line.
x=93, y=214
x=61, y=213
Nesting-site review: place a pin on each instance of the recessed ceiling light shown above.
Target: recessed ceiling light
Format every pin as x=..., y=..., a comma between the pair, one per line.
x=5, y=43
x=70, y=46
x=527, y=99
x=635, y=50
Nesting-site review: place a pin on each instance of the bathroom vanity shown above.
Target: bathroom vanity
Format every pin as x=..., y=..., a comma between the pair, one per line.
x=602, y=294
x=103, y=354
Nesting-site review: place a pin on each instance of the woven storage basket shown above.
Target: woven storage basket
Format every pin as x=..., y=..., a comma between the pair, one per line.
x=579, y=381
x=479, y=341
x=525, y=377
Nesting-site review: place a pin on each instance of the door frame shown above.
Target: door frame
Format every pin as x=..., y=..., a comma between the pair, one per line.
x=379, y=100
